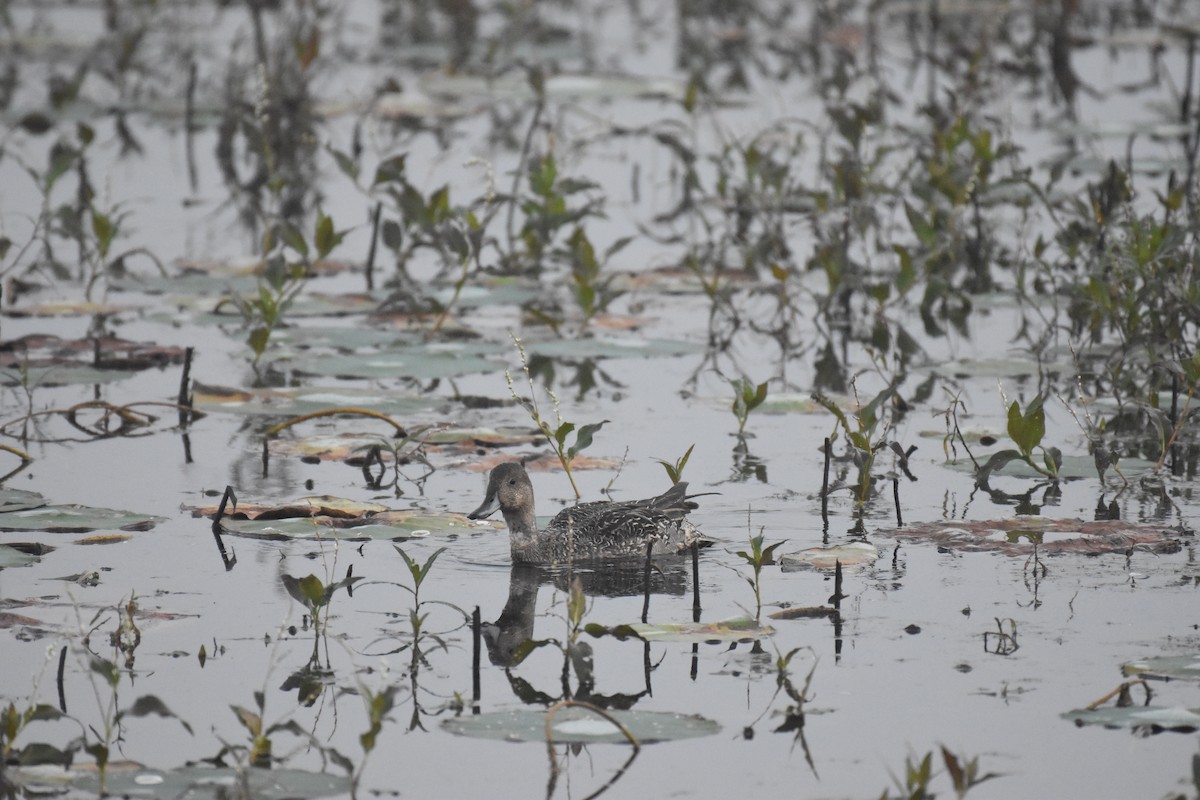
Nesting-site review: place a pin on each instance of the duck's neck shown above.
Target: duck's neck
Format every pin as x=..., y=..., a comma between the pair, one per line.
x=522, y=528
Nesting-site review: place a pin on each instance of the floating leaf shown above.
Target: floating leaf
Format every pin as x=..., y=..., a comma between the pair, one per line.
x=805, y=612
x=611, y=347
x=421, y=363
x=19, y=500
x=1165, y=667
x=133, y=780
x=1150, y=718
x=387, y=526
x=851, y=554
x=295, y=402
x=573, y=724
x=75, y=519
x=21, y=554
x=1016, y=536
x=739, y=629
x=105, y=538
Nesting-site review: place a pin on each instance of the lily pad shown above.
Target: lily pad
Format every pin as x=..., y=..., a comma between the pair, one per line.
x=342, y=446
x=104, y=352
x=1185, y=668
x=21, y=554
x=859, y=555
x=384, y=525
x=433, y=361
x=1152, y=718
x=1073, y=466
x=738, y=629
x=611, y=347
x=75, y=519
x=135, y=781
x=1018, y=535
x=19, y=499
x=294, y=402
x=59, y=375
x=577, y=725
x=304, y=508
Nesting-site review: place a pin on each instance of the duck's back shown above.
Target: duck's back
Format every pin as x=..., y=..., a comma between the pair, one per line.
x=611, y=530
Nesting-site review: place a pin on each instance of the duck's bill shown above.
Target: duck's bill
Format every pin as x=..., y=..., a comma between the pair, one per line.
x=486, y=510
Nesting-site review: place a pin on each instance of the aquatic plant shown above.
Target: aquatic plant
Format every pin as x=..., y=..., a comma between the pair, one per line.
x=964, y=776
x=758, y=557
x=747, y=396
x=555, y=435
x=675, y=469
x=1026, y=429
x=864, y=442
x=312, y=593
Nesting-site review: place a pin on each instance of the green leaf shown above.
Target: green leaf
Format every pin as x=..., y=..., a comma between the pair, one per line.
x=924, y=231
x=293, y=238
x=997, y=461
x=323, y=236
x=309, y=591
x=250, y=721
x=104, y=230
x=560, y=433
x=389, y=170
x=1027, y=429
x=258, y=340
x=583, y=439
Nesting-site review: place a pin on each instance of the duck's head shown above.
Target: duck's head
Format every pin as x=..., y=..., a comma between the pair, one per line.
x=509, y=490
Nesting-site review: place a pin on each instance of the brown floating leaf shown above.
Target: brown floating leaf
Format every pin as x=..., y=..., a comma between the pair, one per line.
x=105, y=538
x=806, y=612
x=9, y=620
x=320, y=506
x=106, y=352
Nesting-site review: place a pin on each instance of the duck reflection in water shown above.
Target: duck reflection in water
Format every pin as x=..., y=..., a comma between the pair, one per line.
x=510, y=639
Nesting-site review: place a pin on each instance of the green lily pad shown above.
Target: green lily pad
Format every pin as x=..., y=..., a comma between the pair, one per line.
x=1073, y=467
x=19, y=500
x=577, y=725
x=343, y=445
x=508, y=292
x=133, y=780
x=340, y=337
x=1185, y=668
x=294, y=402
x=21, y=554
x=739, y=629
x=75, y=519
x=432, y=361
x=60, y=375
x=611, y=347
x=1154, y=718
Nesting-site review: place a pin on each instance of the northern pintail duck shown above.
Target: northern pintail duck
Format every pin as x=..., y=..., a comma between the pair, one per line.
x=589, y=530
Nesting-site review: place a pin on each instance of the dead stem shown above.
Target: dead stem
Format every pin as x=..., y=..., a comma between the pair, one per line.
x=362, y=412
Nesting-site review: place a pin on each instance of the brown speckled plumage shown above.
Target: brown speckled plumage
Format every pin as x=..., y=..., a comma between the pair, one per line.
x=589, y=530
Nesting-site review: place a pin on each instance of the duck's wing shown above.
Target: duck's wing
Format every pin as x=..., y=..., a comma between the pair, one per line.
x=634, y=519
